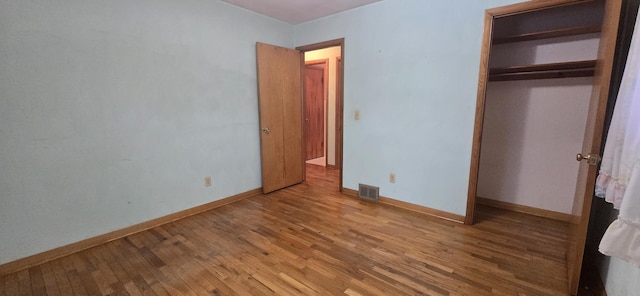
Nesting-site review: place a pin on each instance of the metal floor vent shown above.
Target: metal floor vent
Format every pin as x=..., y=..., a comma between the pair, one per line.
x=368, y=192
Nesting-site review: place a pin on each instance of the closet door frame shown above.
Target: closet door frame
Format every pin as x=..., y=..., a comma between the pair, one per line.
x=593, y=132
x=483, y=79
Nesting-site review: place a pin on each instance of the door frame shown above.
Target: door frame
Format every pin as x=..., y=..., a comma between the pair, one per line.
x=339, y=120
x=483, y=78
x=339, y=96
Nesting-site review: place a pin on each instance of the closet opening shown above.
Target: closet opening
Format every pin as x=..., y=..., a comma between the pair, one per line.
x=536, y=99
x=544, y=83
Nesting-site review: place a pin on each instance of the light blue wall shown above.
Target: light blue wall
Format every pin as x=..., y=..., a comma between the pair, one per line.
x=113, y=112
x=411, y=69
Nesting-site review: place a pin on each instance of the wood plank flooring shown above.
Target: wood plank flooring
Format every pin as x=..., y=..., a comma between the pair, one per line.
x=311, y=240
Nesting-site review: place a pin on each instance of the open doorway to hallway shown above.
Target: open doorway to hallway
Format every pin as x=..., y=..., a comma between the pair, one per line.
x=315, y=112
x=323, y=108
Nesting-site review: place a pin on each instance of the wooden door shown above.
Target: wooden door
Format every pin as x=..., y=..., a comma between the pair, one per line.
x=314, y=111
x=280, y=102
x=591, y=145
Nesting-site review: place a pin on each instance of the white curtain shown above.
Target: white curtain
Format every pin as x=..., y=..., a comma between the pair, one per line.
x=619, y=178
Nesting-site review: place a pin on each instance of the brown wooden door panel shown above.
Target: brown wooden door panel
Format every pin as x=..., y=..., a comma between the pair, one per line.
x=280, y=101
x=314, y=112
x=585, y=184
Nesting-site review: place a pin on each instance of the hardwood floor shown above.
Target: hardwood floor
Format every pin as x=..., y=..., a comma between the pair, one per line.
x=309, y=239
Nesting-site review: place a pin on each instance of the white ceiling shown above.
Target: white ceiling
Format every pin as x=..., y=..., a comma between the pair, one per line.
x=299, y=11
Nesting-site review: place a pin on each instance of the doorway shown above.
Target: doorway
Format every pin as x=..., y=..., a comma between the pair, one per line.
x=323, y=107
x=315, y=98
x=282, y=139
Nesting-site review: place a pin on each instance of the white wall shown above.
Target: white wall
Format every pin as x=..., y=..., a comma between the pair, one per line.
x=532, y=132
x=554, y=50
x=331, y=53
x=620, y=278
x=534, y=128
x=113, y=112
x=411, y=69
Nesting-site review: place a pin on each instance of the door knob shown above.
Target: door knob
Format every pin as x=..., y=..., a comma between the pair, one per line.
x=591, y=158
x=266, y=130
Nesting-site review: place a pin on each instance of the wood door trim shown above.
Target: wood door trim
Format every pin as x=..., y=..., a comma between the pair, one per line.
x=302, y=140
x=483, y=78
x=316, y=62
x=339, y=119
x=322, y=45
x=602, y=82
x=530, y=6
x=339, y=96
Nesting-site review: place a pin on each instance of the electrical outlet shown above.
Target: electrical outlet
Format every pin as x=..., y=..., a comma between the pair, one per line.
x=356, y=115
x=207, y=181
x=392, y=178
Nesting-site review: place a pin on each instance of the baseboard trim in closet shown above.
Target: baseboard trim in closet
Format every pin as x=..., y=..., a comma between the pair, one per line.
x=411, y=207
x=524, y=209
x=66, y=250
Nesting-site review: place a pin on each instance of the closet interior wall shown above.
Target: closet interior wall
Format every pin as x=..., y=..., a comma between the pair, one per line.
x=537, y=102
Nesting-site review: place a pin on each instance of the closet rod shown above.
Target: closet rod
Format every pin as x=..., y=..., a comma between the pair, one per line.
x=544, y=71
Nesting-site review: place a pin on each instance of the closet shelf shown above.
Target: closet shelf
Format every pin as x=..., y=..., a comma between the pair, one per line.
x=548, y=34
x=544, y=71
